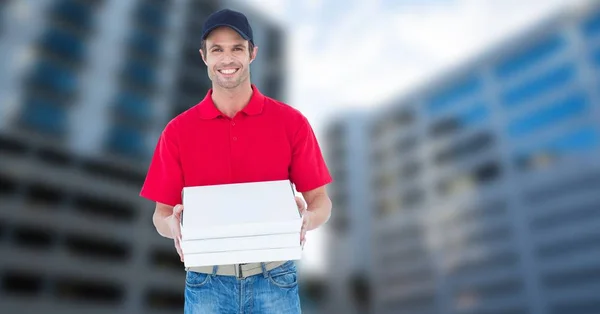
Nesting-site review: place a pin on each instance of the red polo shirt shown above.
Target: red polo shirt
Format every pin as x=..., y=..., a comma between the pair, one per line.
x=267, y=140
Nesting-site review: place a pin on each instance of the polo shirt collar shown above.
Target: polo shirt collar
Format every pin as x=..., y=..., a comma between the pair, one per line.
x=208, y=110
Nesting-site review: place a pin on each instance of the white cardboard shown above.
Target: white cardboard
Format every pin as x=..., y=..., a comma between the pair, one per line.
x=241, y=209
x=237, y=257
x=286, y=240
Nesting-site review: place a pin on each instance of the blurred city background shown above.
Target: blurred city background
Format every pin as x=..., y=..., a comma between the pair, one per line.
x=462, y=136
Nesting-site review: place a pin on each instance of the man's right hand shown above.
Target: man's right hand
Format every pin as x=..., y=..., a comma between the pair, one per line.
x=174, y=223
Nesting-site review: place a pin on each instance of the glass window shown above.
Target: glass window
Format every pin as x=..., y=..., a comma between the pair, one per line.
x=45, y=116
x=140, y=73
x=50, y=75
x=145, y=43
x=75, y=13
x=152, y=15
x=134, y=106
x=525, y=59
x=454, y=94
x=126, y=141
x=591, y=25
x=571, y=106
x=471, y=145
x=64, y=43
x=578, y=141
x=472, y=116
x=542, y=83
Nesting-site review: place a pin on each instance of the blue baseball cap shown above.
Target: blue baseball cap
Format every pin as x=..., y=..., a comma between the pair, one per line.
x=232, y=19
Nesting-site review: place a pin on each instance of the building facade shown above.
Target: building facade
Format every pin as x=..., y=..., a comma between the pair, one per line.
x=86, y=88
x=484, y=184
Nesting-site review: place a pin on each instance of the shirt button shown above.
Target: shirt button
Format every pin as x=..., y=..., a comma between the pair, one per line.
x=235, y=138
x=233, y=123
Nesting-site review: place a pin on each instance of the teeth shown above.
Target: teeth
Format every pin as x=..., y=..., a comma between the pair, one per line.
x=228, y=71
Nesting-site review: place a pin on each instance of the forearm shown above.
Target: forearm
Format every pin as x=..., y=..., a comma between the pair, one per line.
x=160, y=220
x=319, y=207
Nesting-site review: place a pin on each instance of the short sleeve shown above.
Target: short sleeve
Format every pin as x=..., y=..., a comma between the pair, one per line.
x=308, y=170
x=164, y=180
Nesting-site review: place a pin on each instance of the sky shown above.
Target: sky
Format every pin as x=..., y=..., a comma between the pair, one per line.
x=355, y=54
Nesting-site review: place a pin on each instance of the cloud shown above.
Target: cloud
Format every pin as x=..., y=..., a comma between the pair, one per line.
x=366, y=52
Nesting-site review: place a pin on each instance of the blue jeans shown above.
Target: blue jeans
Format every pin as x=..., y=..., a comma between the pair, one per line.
x=274, y=291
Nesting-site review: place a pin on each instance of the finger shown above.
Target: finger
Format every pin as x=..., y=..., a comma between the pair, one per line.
x=300, y=203
x=177, y=210
x=178, y=248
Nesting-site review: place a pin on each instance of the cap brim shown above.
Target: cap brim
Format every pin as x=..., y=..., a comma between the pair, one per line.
x=246, y=37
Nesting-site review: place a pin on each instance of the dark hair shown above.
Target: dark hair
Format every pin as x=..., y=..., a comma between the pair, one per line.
x=250, y=47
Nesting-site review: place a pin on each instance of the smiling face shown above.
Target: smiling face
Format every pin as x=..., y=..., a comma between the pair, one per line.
x=227, y=57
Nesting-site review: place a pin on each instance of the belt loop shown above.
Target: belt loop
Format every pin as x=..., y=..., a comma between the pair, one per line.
x=215, y=267
x=264, y=269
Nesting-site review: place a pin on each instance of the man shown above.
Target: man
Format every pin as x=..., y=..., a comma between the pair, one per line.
x=236, y=134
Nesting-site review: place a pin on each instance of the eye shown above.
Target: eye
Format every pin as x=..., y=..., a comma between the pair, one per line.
x=238, y=49
x=217, y=50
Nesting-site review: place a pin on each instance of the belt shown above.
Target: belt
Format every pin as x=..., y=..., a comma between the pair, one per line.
x=237, y=270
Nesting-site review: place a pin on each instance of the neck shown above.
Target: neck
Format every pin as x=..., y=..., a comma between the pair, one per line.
x=231, y=101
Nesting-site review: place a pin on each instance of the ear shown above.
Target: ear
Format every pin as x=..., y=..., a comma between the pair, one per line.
x=203, y=56
x=254, y=52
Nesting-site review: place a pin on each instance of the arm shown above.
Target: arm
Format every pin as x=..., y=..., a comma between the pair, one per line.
x=167, y=219
x=318, y=207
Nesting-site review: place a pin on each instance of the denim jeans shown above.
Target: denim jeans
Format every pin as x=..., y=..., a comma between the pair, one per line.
x=274, y=291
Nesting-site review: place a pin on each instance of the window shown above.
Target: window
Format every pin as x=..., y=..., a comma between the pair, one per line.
x=98, y=249
x=568, y=107
x=406, y=144
x=596, y=57
x=581, y=140
x=141, y=73
x=76, y=14
x=145, y=44
x=88, y=290
x=63, y=43
x=102, y=169
x=570, y=215
x=463, y=148
x=454, y=94
x=134, y=106
x=591, y=25
x=485, y=263
x=569, y=247
x=104, y=208
x=577, y=306
x=480, y=175
x=19, y=282
x=163, y=299
x=542, y=83
x=58, y=80
x=45, y=116
x=126, y=141
x=472, y=116
x=572, y=277
x=33, y=236
x=530, y=56
x=151, y=15
x=563, y=186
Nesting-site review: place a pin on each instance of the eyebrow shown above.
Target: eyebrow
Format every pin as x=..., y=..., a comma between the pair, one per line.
x=234, y=46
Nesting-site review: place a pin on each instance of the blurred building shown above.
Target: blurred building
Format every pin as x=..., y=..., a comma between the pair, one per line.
x=86, y=88
x=484, y=184
x=348, y=247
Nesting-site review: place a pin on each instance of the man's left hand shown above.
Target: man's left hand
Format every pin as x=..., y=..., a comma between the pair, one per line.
x=305, y=214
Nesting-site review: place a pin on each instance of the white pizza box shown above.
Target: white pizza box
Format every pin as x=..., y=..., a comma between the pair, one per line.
x=239, y=210
x=244, y=256
x=270, y=241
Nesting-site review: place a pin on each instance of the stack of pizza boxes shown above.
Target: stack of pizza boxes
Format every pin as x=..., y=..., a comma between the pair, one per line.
x=240, y=223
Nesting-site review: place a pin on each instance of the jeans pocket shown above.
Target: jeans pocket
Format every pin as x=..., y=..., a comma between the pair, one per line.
x=194, y=279
x=285, y=276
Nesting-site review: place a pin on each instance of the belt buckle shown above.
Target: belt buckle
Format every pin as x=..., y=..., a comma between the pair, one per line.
x=240, y=273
